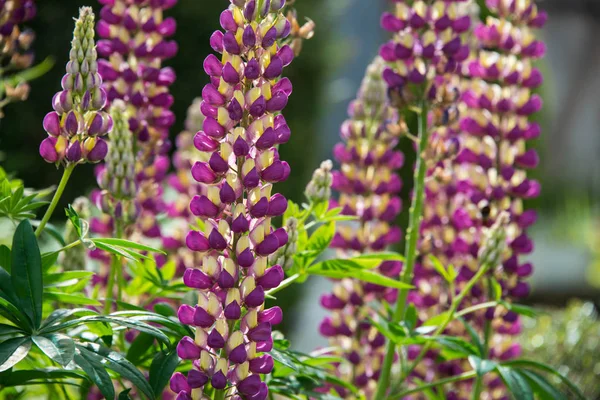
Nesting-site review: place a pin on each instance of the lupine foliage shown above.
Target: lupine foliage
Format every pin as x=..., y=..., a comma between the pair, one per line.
x=170, y=290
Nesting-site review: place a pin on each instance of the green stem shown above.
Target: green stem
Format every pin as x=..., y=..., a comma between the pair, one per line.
x=456, y=378
x=451, y=314
x=487, y=330
x=285, y=283
x=57, y=195
x=412, y=235
x=219, y=394
x=476, y=307
x=115, y=274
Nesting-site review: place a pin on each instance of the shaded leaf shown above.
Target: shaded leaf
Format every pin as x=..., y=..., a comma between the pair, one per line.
x=161, y=369
x=516, y=383
x=27, y=272
x=94, y=369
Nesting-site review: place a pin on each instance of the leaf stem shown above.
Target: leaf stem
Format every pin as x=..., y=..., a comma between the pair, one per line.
x=57, y=195
x=456, y=378
x=412, y=235
x=451, y=315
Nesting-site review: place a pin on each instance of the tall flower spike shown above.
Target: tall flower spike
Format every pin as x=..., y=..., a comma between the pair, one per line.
x=78, y=122
x=428, y=43
x=488, y=176
x=15, y=45
x=135, y=42
x=116, y=177
x=242, y=127
x=368, y=185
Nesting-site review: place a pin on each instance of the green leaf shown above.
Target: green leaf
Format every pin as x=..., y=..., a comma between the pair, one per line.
x=14, y=315
x=92, y=366
x=541, y=387
x=140, y=346
x=127, y=244
x=49, y=259
x=58, y=347
x=21, y=377
x=411, y=317
x=474, y=336
x=161, y=369
x=12, y=351
x=383, y=256
x=9, y=329
x=516, y=383
x=546, y=368
x=6, y=288
x=437, y=320
x=5, y=258
x=321, y=238
x=521, y=309
x=61, y=314
x=118, y=363
x=27, y=272
x=496, y=289
x=339, y=269
x=124, y=395
x=67, y=276
x=482, y=367
x=66, y=298
x=439, y=267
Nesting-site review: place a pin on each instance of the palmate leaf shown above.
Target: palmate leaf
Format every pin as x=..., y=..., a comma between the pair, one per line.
x=341, y=268
x=92, y=366
x=26, y=275
x=118, y=363
x=543, y=389
x=516, y=383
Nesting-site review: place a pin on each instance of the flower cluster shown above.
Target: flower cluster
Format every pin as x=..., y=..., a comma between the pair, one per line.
x=134, y=45
x=466, y=193
x=428, y=42
x=78, y=122
x=368, y=185
x=116, y=177
x=242, y=126
x=15, y=44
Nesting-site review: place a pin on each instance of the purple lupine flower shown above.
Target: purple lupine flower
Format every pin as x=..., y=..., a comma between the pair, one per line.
x=369, y=186
x=135, y=42
x=487, y=176
x=242, y=126
x=428, y=42
x=78, y=122
x=15, y=46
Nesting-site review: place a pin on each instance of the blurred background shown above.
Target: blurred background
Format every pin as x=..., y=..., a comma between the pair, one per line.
x=326, y=77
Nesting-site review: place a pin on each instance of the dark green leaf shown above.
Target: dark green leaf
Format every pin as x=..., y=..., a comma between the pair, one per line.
x=164, y=309
x=116, y=362
x=14, y=315
x=27, y=272
x=521, y=309
x=140, y=346
x=124, y=395
x=49, y=259
x=339, y=268
x=541, y=387
x=61, y=314
x=474, y=336
x=12, y=351
x=5, y=258
x=18, y=378
x=91, y=364
x=6, y=288
x=516, y=383
x=9, y=329
x=161, y=369
x=546, y=368
x=58, y=347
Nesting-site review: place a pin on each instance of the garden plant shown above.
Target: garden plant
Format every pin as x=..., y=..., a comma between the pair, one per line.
x=164, y=281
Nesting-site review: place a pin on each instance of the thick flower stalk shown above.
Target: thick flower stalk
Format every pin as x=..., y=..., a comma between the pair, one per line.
x=467, y=193
x=78, y=122
x=369, y=187
x=134, y=45
x=242, y=106
x=15, y=47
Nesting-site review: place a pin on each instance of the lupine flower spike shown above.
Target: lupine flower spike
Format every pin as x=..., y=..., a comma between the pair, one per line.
x=467, y=193
x=135, y=42
x=76, y=126
x=368, y=185
x=243, y=124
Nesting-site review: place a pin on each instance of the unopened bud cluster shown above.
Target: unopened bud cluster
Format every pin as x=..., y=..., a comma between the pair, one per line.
x=319, y=188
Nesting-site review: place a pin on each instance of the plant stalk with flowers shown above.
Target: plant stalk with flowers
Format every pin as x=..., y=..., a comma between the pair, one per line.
x=432, y=323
